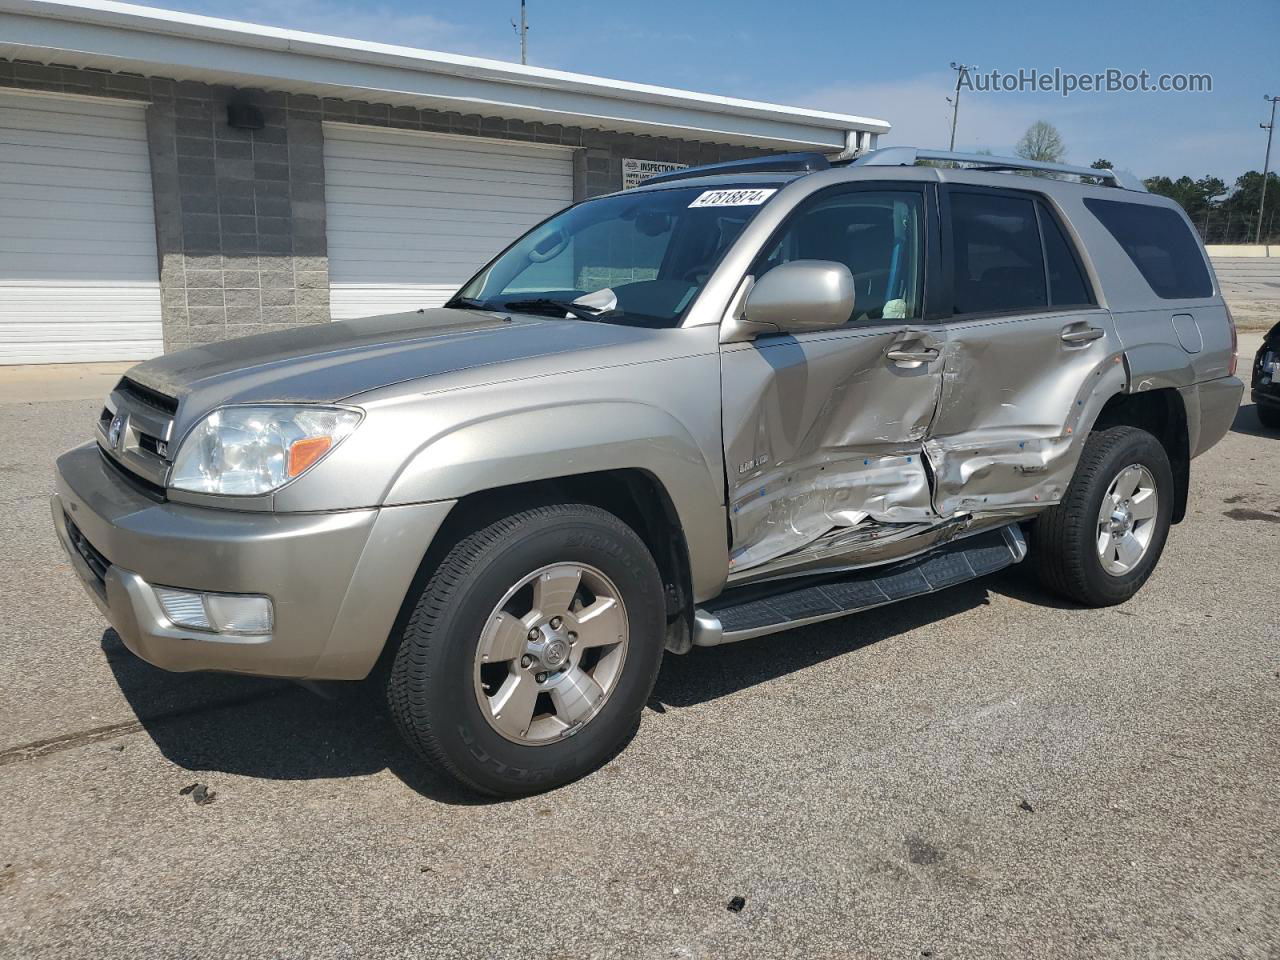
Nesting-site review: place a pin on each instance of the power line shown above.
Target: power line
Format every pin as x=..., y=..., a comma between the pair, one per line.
x=960, y=69
x=522, y=30
x=1266, y=165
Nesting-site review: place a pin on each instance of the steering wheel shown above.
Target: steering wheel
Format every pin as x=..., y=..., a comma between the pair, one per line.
x=697, y=273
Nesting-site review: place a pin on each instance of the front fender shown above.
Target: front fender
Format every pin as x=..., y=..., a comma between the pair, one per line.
x=569, y=439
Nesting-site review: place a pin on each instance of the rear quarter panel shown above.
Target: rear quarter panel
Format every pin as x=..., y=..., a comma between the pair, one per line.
x=1154, y=351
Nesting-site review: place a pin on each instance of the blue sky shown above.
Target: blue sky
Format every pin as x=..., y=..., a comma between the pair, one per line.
x=886, y=60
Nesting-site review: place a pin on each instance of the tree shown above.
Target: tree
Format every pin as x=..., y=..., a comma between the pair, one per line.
x=1221, y=217
x=1041, y=143
x=1196, y=196
x=1242, y=207
x=1223, y=214
x=1101, y=164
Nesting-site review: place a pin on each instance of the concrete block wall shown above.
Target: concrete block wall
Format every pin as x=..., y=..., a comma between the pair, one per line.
x=240, y=214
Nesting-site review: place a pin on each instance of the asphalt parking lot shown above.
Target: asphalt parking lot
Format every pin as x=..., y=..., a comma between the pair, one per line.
x=987, y=772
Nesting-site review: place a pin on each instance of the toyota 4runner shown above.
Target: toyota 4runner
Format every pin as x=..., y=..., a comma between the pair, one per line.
x=733, y=400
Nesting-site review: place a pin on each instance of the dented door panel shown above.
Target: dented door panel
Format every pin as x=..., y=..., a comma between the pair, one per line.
x=824, y=432
x=1018, y=395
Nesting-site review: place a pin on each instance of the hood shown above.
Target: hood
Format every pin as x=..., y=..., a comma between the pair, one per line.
x=329, y=362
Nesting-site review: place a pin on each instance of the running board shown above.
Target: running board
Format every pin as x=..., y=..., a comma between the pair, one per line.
x=746, y=613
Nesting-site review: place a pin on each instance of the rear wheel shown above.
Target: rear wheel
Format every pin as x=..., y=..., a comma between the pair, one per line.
x=531, y=651
x=1100, y=544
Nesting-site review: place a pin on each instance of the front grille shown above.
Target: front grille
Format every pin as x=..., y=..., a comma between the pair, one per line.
x=134, y=432
x=147, y=397
x=147, y=488
x=153, y=445
x=96, y=561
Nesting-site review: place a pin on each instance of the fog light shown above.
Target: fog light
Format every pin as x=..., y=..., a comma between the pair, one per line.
x=184, y=609
x=217, y=612
x=239, y=614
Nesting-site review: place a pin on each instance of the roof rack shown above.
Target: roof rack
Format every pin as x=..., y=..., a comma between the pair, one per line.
x=908, y=156
x=778, y=163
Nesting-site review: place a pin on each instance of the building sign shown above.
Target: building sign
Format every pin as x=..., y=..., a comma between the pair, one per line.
x=636, y=172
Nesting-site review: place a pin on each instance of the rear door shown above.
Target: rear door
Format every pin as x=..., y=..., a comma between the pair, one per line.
x=1027, y=349
x=824, y=430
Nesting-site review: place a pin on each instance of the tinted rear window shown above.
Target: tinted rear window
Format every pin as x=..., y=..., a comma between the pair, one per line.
x=1067, y=286
x=1160, y=244
x=999, y=266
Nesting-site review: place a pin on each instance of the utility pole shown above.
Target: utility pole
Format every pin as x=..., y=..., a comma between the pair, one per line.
x=522, y=29
x=1266, y=165
x=960, y=69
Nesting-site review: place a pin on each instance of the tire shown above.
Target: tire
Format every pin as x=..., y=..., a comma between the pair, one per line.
x=1269, y=414
x=1066, y=537
x=439, y=686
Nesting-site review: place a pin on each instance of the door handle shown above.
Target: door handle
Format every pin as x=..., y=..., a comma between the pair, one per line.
x=1082, y=334
x=918, y=355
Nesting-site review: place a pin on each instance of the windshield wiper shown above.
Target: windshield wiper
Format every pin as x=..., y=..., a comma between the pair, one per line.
x=468, y=303
x=580, y=310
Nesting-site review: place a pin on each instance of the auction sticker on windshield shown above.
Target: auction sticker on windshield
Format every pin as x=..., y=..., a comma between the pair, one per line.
x=733, y=198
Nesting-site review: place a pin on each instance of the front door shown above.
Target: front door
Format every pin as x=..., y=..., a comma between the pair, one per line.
x=824, y=431
x=1029, y=355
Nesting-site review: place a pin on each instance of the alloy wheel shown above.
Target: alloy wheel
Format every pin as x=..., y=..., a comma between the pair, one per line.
x=1127, y=520
x=550, y=653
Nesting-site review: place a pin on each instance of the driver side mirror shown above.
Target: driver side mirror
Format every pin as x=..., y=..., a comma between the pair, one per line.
x=799, y=296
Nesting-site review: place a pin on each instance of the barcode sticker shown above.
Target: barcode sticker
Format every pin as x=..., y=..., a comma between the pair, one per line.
x=733, y=198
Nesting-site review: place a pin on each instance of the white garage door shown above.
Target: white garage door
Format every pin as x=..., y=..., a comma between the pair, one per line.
x=411, y=215
x=78, y=272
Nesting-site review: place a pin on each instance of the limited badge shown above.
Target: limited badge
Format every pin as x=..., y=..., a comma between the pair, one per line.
x=733, y=198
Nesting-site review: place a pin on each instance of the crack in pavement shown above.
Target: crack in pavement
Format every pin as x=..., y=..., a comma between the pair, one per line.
x=69, y=741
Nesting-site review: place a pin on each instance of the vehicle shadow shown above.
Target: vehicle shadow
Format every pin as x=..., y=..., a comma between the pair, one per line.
x=1020, y=583
x=271, y=729
x=1247, y=423
x=712, y=672
x=278, y=730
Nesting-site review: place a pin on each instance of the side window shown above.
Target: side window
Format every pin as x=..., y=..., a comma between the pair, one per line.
x=1160, y=244
x=999, y=267
x=876, y=234
x=1067, y=285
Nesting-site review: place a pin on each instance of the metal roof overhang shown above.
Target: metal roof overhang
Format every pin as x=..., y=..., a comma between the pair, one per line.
x=134, y=39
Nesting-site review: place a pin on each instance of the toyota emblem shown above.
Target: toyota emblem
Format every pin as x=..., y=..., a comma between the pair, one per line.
x=115, y=431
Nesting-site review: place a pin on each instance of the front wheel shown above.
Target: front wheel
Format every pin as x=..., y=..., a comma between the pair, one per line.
x=1101, y=543
x=531, y=651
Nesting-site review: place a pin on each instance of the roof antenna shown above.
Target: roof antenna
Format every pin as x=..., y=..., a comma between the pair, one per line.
x=522, y=30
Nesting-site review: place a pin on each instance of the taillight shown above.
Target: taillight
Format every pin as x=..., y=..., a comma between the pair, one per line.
x=1235, y=344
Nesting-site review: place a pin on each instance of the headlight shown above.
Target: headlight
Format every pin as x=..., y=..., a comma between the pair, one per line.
x=242, y=451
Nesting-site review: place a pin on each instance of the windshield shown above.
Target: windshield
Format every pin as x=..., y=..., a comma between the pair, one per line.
x=638, y=258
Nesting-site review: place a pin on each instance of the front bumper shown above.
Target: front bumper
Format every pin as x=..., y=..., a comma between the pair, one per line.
x=336, y=580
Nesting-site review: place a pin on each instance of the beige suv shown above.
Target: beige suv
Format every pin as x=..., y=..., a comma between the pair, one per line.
x=734, y=400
